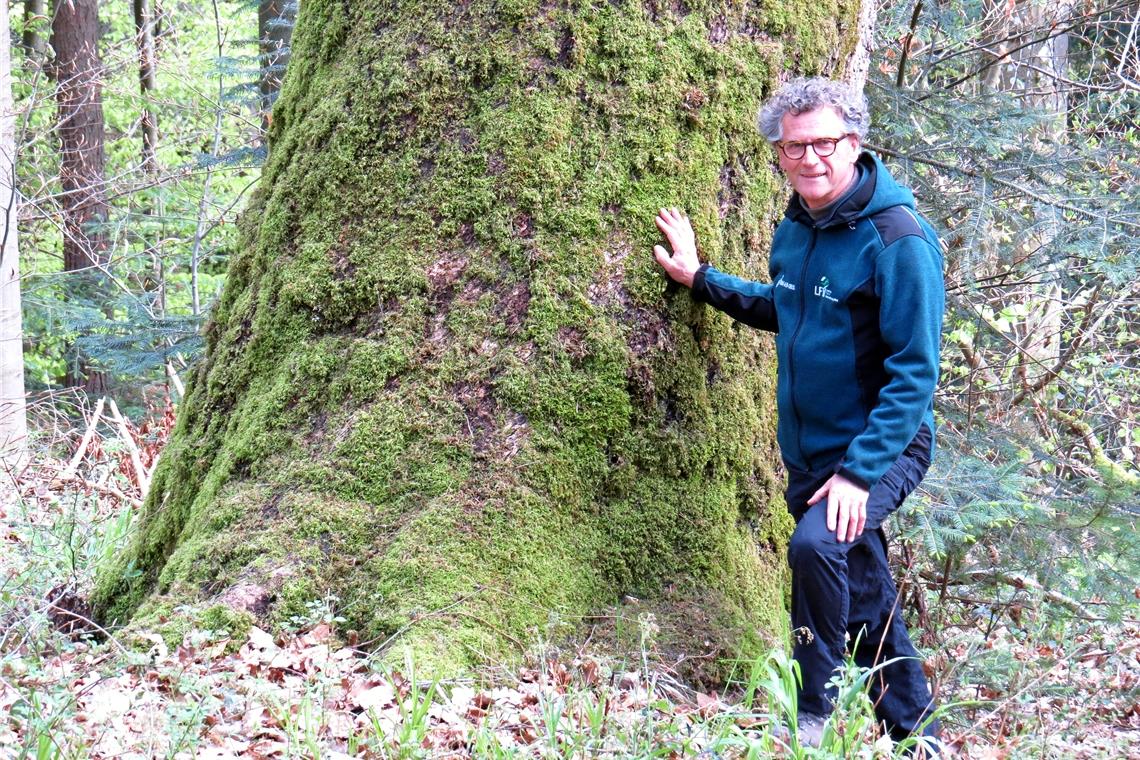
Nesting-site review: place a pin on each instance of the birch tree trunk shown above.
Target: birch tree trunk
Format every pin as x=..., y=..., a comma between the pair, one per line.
x=13, y=416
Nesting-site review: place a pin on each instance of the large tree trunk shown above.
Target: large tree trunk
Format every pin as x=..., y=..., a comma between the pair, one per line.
x=79, y=93
x=13, y=417
x=445, y=382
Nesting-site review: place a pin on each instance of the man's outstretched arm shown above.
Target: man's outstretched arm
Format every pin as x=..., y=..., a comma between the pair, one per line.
x=744, y=300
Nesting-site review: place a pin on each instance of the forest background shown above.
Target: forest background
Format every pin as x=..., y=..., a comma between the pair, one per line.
x=1014, y=123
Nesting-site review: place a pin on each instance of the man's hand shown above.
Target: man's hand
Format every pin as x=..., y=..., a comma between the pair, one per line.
x=846, y=507
x=683, y=263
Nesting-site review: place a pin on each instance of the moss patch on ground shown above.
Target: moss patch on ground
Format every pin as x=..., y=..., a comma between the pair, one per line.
x=446, y=383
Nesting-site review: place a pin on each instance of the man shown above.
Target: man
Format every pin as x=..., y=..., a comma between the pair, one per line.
x=855, y=299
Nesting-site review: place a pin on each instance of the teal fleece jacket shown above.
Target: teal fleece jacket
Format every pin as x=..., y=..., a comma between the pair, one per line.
x=856, y=302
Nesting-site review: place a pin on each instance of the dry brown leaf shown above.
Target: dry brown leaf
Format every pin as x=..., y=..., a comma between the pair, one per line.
x=267, y=749
x=707, y=704
x=372, y=693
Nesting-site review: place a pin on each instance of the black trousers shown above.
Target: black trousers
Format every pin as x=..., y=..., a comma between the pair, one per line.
x=843, y=593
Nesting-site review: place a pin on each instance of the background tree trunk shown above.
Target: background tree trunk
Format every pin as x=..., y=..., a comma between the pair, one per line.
x=35, y=19
x=78, y=73
x=446, y=383
x=275, y=20
x=13, y=416
x=143, y=12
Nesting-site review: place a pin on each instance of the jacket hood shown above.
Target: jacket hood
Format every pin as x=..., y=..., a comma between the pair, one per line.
x=878, y=191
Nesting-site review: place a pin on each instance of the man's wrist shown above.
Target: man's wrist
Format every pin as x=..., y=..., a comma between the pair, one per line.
x=698, y=282
x=848, y=475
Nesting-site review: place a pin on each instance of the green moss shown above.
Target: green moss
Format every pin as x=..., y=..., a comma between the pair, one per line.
x=222, y=619
x=446, y=383
x=171, y=622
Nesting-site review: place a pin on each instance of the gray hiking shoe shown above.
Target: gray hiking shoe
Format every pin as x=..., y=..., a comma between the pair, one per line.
x=811, y=729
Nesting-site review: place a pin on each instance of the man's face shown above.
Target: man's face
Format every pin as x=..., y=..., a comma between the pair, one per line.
x=819, y=181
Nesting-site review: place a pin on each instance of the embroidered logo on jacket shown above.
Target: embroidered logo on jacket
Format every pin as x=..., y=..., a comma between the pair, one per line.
x=782, y=283
x=822, y=290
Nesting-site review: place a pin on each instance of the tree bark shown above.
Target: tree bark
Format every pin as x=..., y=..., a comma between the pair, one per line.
x=446, y=384
x=78, y=73
x=275, y=20
x=13, y=410
x=35, y=20
x=75, y=38
x=148, y=81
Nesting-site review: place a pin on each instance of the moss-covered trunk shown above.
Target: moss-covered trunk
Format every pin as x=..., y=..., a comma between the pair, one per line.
x=446, y=382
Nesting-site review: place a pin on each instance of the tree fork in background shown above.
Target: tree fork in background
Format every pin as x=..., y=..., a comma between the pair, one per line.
x=13, y=410
x=275, y=20
x=445, y=381
x=78, y=74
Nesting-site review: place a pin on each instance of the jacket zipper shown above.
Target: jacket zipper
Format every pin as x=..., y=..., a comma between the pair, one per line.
x=792, y=347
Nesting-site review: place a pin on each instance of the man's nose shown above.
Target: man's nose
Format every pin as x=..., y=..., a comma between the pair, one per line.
x=810, y=158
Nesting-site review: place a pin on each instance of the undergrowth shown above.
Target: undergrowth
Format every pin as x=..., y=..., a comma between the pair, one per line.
x=1014, y=680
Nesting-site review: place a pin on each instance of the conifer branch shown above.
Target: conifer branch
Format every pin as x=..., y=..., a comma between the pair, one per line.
x=1021, y=189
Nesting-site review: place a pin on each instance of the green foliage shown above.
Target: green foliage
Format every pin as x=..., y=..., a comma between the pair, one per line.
x=1032, y=183
x=142, y=309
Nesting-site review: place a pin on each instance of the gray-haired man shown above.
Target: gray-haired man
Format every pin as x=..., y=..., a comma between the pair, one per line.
x=855, y=298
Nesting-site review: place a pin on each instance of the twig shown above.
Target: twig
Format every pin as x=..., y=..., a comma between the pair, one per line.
x=906, y=45
x=172, y=374
x=88, y=621
x=142, y=477
x=491, y=626
x=72, y=466
x=1079, y=335
x=1009, y=579
x=99, y=487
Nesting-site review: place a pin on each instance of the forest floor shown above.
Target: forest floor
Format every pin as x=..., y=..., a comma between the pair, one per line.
x=1020, y=682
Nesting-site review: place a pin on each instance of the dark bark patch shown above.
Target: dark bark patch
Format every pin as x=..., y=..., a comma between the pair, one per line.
x=473, y=290
x=718, y=30
x=573, y=342
x=272, y=508
x=496, y=164
x=514, y=307
x=639, y=384
x=650, y=334
x=446, y=271
x=247, y=597
x=730, y=196
x=69, y=613
x=496, y=434
x=566, y=49
x=343, y=267
x=607, y=290
x=466, y=139
x=695, y=98
x=408, y=123
x=467, y=234
x=479, y=408
x=317, y=428
x=524, y=225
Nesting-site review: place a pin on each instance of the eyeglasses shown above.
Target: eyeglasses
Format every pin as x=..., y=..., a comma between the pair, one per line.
x=823, y=147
